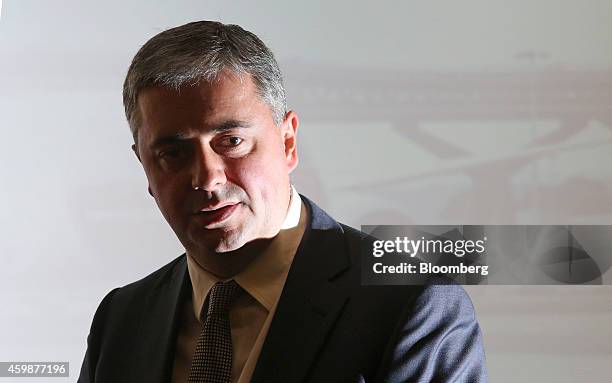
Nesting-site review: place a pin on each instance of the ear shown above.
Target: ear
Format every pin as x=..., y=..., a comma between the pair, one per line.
x=135, y=150
x=289, y=135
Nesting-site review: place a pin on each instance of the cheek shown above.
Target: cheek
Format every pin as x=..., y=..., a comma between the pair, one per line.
x=263, y=181
x=171, y=196
x=170, y=203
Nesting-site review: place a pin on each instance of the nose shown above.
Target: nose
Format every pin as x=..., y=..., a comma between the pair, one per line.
x=208, y=170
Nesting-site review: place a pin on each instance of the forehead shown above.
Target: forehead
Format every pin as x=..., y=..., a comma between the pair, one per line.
x=229, y=97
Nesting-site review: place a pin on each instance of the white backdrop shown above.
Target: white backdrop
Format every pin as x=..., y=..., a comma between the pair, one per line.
x=418, y=112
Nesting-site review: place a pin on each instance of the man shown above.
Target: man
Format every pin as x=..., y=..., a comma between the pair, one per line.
x=269, y=287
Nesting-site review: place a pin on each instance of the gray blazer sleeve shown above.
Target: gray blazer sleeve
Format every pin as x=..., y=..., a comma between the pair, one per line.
x=438, y=340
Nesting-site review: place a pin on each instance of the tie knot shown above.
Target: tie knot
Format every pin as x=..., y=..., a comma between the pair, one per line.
x=220, y=297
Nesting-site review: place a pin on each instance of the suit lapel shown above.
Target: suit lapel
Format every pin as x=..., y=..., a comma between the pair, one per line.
x=158, y=329
x=309, y=304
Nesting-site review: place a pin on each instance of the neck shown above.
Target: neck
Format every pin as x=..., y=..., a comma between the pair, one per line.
x=231, y=263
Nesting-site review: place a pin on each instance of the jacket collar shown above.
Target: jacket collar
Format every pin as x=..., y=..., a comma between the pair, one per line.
x=158, y=326
x=310, y=302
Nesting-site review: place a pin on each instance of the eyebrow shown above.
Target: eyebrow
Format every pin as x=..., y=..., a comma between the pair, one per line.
x=230, y=124
x=181, y=137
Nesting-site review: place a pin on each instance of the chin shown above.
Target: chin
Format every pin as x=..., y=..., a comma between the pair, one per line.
x=225, y=243
x=223, y=248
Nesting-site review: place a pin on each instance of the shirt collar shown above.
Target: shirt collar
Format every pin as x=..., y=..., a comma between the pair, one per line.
x=265, y=277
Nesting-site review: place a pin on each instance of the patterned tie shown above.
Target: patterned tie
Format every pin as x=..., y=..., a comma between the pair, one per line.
x=212, y=360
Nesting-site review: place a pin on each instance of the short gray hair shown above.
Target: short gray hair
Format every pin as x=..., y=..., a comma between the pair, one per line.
x=200, y=51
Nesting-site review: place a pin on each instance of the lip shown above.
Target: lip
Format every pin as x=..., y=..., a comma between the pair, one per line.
x=211, y=215
x=217, y=206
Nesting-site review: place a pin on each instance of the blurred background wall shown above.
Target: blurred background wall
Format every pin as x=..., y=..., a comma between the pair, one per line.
x=481, y=112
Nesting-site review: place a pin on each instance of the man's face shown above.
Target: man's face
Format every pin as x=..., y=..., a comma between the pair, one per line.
x=217, y=164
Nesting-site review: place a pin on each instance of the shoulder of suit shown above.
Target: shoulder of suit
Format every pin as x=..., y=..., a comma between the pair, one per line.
x=165, y=274
x=440, y=292
x=355, y=239
x=447, y=298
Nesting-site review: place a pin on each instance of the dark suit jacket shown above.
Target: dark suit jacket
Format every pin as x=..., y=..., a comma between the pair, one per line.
x=327, y=327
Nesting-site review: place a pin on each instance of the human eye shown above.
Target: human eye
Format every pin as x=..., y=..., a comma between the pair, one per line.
x=231, y=141
x=232, y=144
x=169, y=153
x=173, y=154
